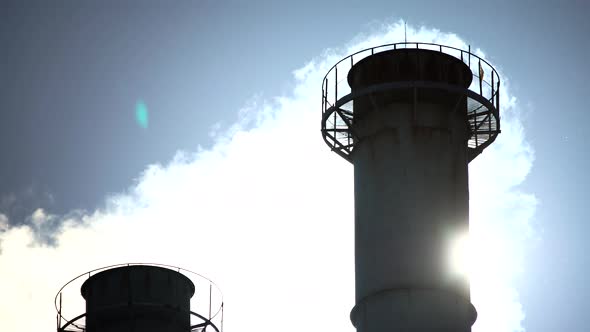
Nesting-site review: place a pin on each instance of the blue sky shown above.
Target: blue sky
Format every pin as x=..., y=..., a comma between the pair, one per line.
x=74, y=73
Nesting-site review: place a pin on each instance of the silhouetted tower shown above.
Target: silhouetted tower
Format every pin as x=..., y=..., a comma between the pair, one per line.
x=411, y=119
x=138, y=297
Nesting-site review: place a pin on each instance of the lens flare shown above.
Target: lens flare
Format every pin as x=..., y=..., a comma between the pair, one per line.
x=141, y=114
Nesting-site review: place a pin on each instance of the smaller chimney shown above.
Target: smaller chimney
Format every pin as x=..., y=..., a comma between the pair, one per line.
x=141, y=298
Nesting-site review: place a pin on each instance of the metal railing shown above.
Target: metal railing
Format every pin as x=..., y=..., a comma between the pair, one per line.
x=483, y=97
x=203, y=313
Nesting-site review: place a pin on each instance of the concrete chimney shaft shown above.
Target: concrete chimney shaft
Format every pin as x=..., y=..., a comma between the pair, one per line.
x=411, y=193
x=138, y=298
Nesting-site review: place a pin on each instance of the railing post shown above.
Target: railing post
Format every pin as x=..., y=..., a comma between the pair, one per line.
x=335, y=84
x=323, y=104
x=59, y=313
x=492, y=96
x=327, y=89
x=498, y=103
x=210, y=289
x=480, y=78
x=221, y=317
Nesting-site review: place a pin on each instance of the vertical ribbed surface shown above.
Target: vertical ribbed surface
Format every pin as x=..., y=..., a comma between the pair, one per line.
x=411, y=194
x=138, y=298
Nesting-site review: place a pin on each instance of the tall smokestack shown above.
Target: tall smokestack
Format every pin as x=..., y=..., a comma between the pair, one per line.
x=410, y=124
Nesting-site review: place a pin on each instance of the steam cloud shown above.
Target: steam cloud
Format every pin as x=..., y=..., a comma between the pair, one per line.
x=267, y=212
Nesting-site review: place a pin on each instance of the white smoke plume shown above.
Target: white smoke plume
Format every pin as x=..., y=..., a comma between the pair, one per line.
x=267, y=213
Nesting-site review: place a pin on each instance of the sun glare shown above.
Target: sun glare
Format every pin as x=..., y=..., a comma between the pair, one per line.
x=461, y=255
x=479, y=256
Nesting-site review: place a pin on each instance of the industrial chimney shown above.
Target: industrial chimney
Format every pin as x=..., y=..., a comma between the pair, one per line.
x=140, y=297
x=410, y=120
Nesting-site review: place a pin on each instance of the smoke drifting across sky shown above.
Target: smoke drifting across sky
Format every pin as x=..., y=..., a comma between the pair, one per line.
x=267, y=213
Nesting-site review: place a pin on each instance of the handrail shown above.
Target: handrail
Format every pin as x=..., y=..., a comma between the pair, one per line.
x=372, y=49
x=206, y=322
x=212, y=284
x=416, y=45
x=483, y=97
